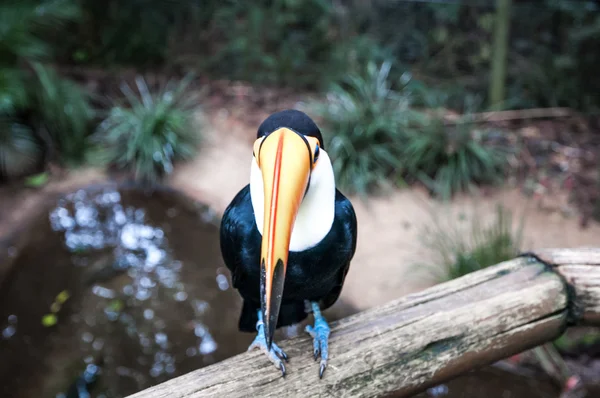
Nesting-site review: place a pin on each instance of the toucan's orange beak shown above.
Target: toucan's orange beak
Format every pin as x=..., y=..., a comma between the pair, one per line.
x=285, y=161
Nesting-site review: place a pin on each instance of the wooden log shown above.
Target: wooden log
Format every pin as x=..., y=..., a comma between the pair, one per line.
x=580, y=268
x=407, y=345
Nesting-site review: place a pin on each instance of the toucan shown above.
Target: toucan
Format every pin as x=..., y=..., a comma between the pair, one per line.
x=288, y=236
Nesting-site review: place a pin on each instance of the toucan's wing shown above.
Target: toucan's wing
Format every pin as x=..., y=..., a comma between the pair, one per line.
x=345, y=213
x=236, y=226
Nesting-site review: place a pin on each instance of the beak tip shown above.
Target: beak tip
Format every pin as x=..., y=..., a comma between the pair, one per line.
x=269, y=331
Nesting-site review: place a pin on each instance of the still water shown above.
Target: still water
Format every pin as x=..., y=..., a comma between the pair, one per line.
x=128, y=285
x=114, y=291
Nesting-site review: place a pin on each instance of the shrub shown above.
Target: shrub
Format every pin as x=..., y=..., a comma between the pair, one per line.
x=279, y=42
x=39, y=110
x=26, y=24
x=484, y=245
x=452, y=159
x=62, y=108
x=146, y=133
x=132, y=32
x=375, y=135
x=365, y=124
x=20, y=149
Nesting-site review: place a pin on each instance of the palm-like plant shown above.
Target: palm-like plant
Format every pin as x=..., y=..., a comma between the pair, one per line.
x=42, y=102
x=458, y=252
x=366, y=123
x=63, y=110
x=148, y=132
x=452, y=159
x=24, y=25
x=20, y=150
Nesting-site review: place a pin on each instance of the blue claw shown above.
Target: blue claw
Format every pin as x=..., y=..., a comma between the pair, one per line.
x=320, y=334
x=275, y=354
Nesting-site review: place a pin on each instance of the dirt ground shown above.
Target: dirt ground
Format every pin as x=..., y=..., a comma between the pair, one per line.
x=389, y=245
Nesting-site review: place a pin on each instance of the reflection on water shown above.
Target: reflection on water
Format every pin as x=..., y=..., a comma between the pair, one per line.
x=141, y=250
x=145, y=296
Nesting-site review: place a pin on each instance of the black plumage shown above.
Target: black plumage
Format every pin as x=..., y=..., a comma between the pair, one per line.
x=315, y=274
x=293, y=119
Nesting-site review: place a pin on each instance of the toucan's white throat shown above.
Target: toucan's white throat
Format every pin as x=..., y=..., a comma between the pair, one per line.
x=316, y=212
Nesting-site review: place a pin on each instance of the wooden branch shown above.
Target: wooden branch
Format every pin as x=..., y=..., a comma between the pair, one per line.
x=580, y=268
x=518, y=114
x=423, y=339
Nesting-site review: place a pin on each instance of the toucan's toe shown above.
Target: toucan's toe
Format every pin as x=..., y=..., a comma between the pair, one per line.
x=320, y=334
x=275, y=354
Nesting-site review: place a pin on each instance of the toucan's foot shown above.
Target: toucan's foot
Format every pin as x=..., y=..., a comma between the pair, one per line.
x=275, y=354
x=320, y=334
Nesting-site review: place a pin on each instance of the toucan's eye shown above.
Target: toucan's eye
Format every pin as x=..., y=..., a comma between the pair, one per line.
x=316, y=154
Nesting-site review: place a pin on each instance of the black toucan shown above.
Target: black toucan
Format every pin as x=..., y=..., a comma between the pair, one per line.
x=288, y=236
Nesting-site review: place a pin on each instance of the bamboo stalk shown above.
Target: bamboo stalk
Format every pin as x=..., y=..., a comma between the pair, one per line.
x=500, y=52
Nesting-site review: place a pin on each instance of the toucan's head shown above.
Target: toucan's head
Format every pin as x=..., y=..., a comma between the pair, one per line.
x=293, y=196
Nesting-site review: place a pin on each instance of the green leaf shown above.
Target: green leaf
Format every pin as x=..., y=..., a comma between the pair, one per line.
x=49, y=320
x=20, y=150
x=37, y=180
x=148, y=131
x=116, y=305
x=63, y=296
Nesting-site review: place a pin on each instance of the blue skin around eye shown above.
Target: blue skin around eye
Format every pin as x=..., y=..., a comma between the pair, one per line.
x=316, y=153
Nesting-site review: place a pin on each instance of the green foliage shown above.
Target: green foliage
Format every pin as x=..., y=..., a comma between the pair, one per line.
x=148, y=132
x=551, y=57
x=273, y=41
x=20, y=149
x=451, y=159
x=554, y=58
x=365, y=123
x=63, y=110
x=13, y=90
x=25, y=24
x=459, y=253
x=49, y=320
x=118, y=32
x=582, y=340
x=41, y=106
x=374, y=134
x=40, y=110
x=268, y=41
x=307, y=44
x=37, y=180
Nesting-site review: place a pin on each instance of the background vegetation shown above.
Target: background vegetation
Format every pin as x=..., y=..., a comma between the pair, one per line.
x=379, y=65
x=307, y=44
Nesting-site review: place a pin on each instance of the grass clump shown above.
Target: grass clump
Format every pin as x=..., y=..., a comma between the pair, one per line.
x=42, y=115
x=366, y=123
x=147, y=132
x=62, y=109
x=452, y=159
x=376, y=135
x=20, y=150
x=457, y=254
